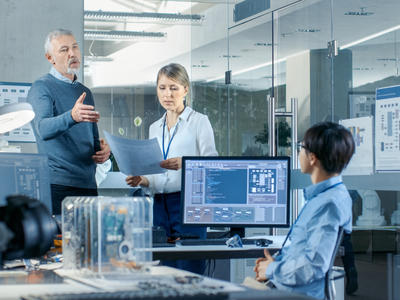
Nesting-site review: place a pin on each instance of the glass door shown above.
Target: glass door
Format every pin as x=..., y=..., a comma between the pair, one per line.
x=209, y=62
x=303, y=64
x=302, y=71
x=251, y=83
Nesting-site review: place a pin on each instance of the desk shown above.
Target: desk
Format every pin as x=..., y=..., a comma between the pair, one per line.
x=207, y=252
x=75, y=282
x=216, y=252
x=376, y=239
x=38, y=286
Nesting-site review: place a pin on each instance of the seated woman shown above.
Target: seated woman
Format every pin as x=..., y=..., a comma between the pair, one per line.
x=301, y=266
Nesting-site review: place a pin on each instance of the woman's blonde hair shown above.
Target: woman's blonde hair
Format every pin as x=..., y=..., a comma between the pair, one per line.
x=177, y=73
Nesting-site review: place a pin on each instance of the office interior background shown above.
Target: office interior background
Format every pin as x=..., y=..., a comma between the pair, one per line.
x=282, y=49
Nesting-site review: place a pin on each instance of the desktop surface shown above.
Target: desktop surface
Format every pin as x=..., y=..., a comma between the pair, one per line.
x=219, y=251
x=222, y=241
x=161, y=283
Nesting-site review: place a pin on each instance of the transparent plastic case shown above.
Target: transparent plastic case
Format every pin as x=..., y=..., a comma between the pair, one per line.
x=107, y=234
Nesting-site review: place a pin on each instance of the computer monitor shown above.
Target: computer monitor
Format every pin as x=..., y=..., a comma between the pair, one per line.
x=236, y=191
x=25, y=174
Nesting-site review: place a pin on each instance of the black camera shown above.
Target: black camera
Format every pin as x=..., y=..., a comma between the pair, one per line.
x=27, y=229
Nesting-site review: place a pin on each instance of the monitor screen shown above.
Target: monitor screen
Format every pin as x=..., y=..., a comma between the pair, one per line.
x=236, y=191
x=26, y=174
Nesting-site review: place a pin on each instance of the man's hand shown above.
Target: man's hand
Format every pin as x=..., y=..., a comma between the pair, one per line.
x=262, y=265
x=172, y=163
x=102, y=155
x=84, y=113
x=137, y=180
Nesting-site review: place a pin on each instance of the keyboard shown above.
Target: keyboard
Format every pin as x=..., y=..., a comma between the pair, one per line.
x=129, y=295
x=221, y=241
x=176, y=288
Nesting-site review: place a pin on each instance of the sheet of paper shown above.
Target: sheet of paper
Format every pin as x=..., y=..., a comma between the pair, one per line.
x=136, y=157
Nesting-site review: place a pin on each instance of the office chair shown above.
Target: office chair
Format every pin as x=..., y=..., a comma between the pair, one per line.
x=330, y=292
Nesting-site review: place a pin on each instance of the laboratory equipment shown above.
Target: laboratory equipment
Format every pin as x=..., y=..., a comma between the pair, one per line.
x=107, y=234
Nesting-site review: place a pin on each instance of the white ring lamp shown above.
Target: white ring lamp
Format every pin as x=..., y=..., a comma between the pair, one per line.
x=15, y=115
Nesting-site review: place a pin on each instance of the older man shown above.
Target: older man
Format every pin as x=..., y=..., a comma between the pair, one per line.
x=65, y=123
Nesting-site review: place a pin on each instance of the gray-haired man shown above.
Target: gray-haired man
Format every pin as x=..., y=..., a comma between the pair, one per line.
x=65, y=123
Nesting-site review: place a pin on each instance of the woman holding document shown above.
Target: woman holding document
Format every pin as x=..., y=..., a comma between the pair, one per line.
x=180, y=132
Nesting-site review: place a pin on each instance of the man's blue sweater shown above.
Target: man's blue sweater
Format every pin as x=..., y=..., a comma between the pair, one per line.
x=68, y=144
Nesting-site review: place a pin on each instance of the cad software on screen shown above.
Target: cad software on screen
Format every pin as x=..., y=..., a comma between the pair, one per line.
x=236, y=192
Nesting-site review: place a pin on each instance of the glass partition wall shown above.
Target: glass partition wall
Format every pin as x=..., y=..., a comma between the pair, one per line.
x=303, y=73
x=281, y=53
x=374, y=56
x=318, y=52
x=330, y=55
x=235, y=66
x=209, y=61
x=304, y=66
x=250, y=67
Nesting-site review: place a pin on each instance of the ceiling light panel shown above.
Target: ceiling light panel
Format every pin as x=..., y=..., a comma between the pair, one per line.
x=114, y=35
x=133, y=17
x=96, y=58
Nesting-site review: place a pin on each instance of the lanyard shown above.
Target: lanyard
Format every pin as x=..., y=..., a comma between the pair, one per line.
x=165, y=154
x=298, y=217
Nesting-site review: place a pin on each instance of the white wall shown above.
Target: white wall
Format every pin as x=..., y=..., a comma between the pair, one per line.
x=24, y=25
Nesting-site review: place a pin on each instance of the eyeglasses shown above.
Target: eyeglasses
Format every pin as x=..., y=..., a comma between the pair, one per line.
x=300, y=145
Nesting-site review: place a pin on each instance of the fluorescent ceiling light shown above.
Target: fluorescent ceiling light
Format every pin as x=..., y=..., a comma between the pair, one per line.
x=98, y=58
x=115, y=35
x=367, y=38
x=234, y=73
x=15, y=115
x=111, y=16
x=370, y=37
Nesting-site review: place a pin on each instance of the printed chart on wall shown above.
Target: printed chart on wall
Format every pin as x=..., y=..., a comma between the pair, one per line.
x=13, y=92
x=387, y=129
x=362, y=162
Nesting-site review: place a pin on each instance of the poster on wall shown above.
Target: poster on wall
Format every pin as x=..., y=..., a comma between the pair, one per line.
x=362, y=162
x=361, y=105
x=387, y=129
x=13, y=92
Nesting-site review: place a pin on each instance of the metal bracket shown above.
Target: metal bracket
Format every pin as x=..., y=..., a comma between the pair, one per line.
x=332, y=48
